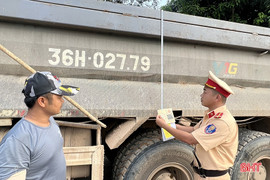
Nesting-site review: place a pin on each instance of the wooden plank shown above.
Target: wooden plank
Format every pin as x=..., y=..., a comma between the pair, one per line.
x=73, y=138
x=5, y=122
x=86, y=155
x=98, y=163
x=78, y=125
x=99, y=136
x=76, y=156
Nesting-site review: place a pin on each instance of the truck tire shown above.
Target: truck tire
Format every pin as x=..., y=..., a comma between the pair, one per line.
x=254, y=147
x=147, y=157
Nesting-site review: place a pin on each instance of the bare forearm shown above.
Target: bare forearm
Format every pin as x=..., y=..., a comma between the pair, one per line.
x=181, y=135
x=188, y=129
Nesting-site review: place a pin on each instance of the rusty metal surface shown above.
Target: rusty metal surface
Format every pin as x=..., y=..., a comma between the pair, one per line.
x=78, y=54
x=114, y=57
x=105, y=98
x=127, y=19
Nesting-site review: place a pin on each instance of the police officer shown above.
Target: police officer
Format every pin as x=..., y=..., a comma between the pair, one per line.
x=215, y=137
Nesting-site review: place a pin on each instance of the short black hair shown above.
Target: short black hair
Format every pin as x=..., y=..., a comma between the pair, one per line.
x=30, y=101
x=223, y=98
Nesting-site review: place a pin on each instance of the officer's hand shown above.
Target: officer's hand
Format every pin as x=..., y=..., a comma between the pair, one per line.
x=160, y=121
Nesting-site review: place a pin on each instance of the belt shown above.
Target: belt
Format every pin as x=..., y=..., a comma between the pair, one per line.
x=204, y=172
x=209, y=173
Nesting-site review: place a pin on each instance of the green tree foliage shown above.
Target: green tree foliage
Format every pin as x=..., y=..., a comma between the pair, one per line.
x=255, y=12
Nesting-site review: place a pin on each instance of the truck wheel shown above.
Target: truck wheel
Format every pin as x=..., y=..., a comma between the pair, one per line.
x=147, y=157
x=254, y=147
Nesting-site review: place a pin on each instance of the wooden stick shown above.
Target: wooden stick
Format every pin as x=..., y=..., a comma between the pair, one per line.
x=29, y=68
x=74, y=103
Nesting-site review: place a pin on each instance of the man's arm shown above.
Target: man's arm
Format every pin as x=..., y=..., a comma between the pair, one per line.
x=15, y=157
x=18, y=176
x=188, y=129
x=179, y=134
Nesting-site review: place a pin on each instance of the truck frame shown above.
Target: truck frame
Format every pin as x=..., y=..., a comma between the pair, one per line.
x=113, y=53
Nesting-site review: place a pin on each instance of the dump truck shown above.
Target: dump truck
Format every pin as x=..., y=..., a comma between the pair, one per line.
x=129, y=62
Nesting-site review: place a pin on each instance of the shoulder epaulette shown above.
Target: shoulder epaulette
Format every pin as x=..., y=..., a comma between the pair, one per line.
x=218, y=115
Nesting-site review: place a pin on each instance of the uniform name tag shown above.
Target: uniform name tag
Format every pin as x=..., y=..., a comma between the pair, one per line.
x=210, y=129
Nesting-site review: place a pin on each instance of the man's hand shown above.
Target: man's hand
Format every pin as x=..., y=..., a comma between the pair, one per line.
x=182, y=133
x=160, y=121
